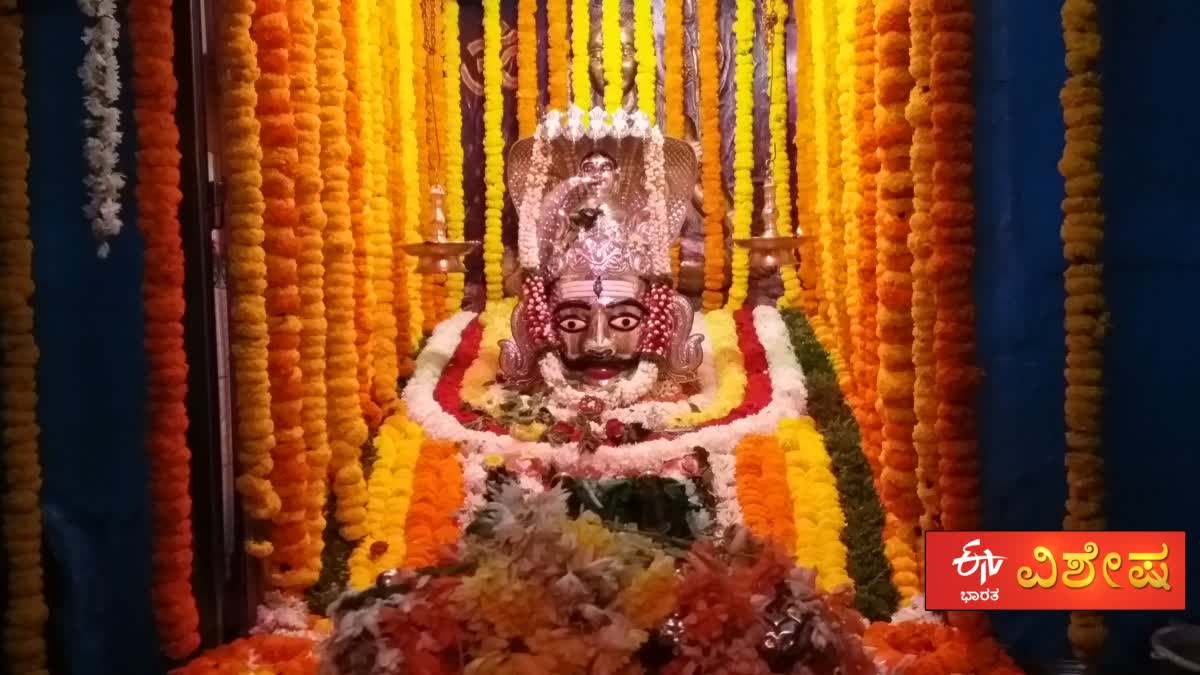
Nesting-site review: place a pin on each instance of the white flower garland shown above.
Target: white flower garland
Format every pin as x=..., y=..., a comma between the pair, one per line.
x=788, y=396
x=531, y=205
x=102, y=88
x=618, y=393
x=655, y=184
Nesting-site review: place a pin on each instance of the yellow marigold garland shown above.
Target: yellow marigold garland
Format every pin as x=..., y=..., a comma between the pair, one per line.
x=285, y=563
x=710, y=166
x=347, y=430
x=493, y=150
x=781, y=164
x=306, y=103
x=647, y=58
x=833, y=261
x=408, y=183
x=817, y=511
x=866, y=357
x=247, y=268
x=558, y=55
x=824, y=130
x=920, y=242
x=581, y=78
x=610, y=27
x=1082, y=233
x=846, y=14
x=375, y=27
x=360, y=193
x=496, y=322
x=806, y=178
x=897, y=483
x=389, y=495
x=529, y=92
x=743, y=152
x=455, y=205
x=25, y=613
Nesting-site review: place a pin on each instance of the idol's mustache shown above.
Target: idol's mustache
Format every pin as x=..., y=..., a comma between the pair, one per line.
x=588, y=362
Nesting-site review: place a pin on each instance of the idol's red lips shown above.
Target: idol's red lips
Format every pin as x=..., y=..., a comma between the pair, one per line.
x=600, y=373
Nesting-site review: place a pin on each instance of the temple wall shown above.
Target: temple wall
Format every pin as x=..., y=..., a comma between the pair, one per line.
x=1152, y=281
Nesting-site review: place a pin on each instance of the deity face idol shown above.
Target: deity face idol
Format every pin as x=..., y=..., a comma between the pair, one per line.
x=600, y=333
x=599, y=172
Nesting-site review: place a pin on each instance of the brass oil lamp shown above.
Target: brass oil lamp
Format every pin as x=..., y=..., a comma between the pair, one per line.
x=439, y=255
x=769, y=249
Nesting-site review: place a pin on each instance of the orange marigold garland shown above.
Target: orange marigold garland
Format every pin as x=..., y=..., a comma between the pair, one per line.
x=306, y=104
x=347, y=430
x=437, y=497
x=710, y=138
x=866, y=358
x=528, y=91
x=920, y=242
x=673, y=70
x=763, y=491
x=25, y=612
x=158, y=196
x=894, y=282
x=558, y=54
x=846, y=210
x=247, y=269
x=433, y=286
x=806, y=175
x=930, y=648
x=289, y=536
x=1082, y=234
x=360, y=190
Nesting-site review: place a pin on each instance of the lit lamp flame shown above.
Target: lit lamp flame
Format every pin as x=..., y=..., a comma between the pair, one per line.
x=439, y=255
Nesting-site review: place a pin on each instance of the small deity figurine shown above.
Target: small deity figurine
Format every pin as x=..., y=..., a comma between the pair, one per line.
x=599, y=207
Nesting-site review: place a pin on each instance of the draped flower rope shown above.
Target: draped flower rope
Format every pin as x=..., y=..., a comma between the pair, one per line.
x=25, y=612
x=806, y=172
x=647, y=58
x=347, y=429
x=529, y=93
x=493, y=150
x=285, y=559
x=611, y=51
x=455, y=205
x=920, y=242
x=1086, y=315
x=248, y=270
x=100, y=73
x=952, y=114
x=357, y=134
x=710, y=156
x=314, y=328
x=158, y=196
x=581, y=78
x=558, y=54
x=780, y=160
x=897, y=482
x=866, y=357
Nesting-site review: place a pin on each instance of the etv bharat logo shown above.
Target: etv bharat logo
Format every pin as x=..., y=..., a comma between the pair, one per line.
x=986, y=564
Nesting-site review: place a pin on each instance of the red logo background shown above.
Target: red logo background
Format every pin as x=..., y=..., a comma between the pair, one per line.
x=1062, y=562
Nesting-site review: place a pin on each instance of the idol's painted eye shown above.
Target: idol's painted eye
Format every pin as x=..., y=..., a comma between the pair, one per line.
x=624, y=322
x=571, y=324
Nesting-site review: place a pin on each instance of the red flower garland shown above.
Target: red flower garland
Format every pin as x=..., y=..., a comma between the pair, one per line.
x=158, y=196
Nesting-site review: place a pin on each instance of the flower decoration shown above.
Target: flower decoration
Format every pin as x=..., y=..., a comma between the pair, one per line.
x=101, y=78
x=581, y=77
x=1086, y=316
x=493, y=147
x=529, y=94
x=533, y=590
x=558, y=43
x=743, y=157
x=455, y=199
x=612, y=53
x=25, y=612
x=158, y=196
x=710, y=164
